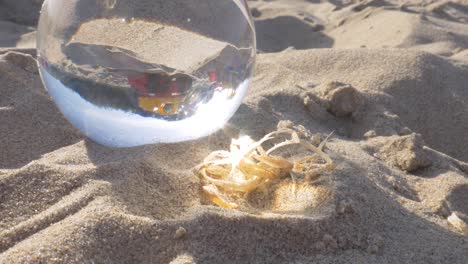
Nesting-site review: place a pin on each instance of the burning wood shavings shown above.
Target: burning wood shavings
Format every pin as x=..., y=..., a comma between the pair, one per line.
x=227, y=176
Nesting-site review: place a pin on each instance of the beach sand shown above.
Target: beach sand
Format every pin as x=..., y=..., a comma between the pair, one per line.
x=389, y=78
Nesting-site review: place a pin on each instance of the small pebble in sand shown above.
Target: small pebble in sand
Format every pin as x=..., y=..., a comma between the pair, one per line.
x=406, y=152
x=340, y=99
x=180, y=233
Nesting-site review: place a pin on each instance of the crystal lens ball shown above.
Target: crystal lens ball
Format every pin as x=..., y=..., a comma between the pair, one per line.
x=134, y=72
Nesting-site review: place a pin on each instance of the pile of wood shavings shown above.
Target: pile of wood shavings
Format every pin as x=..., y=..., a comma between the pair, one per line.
x=228, y=175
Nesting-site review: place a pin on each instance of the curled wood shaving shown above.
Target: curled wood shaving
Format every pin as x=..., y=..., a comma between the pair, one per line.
x=248, y=166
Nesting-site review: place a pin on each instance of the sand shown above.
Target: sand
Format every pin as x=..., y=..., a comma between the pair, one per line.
x=172, y=50
x=389, y=78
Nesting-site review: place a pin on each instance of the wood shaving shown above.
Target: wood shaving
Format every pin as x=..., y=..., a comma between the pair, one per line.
x=228, y=175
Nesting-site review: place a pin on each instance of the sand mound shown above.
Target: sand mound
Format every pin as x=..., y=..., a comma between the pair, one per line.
x=106, y=203
x=404, y=89
x=34, y=126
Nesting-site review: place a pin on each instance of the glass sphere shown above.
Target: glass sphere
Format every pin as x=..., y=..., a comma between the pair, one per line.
x=135, y=72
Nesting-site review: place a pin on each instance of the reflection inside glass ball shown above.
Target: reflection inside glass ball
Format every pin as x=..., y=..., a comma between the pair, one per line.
x=128, y=73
